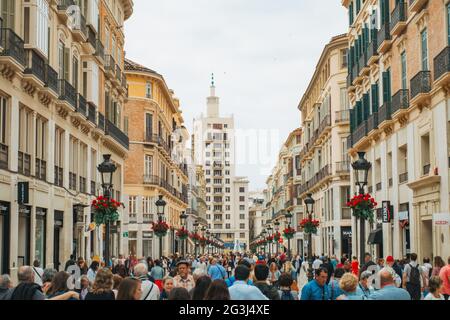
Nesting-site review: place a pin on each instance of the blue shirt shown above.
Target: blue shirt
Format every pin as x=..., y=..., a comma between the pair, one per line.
x=390, y=292
x=312, y=291
x=217, y=272
x=364, y=292
x=335, y=289
x=242, y=291
x=353, y=295
x=232, y=279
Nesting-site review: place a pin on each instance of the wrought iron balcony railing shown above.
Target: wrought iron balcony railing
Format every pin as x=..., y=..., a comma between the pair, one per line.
x=421, y=83
x=442, y=63
x=51, y=79
x=82, y=105
x=402, y=178
x=400, y=14
x=35, y=65
x=101, y=121
x=384, y=34
x=117, y=134
x=13, y=45
x=400, y=100
x=99, y=49
x=67, y=92
x=385, y=112
x=3, y=156
x=372, y=122
x=92, y=112
x=360, y=132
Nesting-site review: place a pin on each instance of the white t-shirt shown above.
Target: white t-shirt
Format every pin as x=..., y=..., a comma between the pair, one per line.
x=317, y=263
x=38, y=272
x=430, y=296
x=150, y=291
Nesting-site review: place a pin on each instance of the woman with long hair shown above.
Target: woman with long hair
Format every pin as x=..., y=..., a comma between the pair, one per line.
x=179, y=294
x=58, y=285
x=129, y=289
x=116, y=284
x=92, y=272
x=274, y=274
x=437, y=266
x=103, y=285
x=218, y=290
x=201, y=287
x=167, y=284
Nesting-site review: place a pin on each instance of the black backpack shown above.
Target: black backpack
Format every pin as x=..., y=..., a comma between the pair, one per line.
x=414, y=275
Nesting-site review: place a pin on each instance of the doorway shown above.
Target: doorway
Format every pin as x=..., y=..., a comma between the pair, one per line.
x=23, y=246
x=59, y=218
x=426, y=238
x=4, y=237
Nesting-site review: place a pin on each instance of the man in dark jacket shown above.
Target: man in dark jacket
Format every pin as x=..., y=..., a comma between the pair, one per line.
x=261, y=275
x=27, y=289
x=367, y=262
x=5, y=287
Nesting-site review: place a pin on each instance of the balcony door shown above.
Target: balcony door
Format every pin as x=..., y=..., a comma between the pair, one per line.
x=8, y=13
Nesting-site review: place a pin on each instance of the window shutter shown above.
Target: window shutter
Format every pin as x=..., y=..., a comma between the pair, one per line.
x=66, y=63
x=42, y=17
x=95, y=84
x=366, y=102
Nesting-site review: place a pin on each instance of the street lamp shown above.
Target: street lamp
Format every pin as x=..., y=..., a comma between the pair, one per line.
x=160, y=207
x=277, y=229
x=264, y=237
x=208, y=234
x=361, y=168
x=269, y=230
x=203, y=234
x=196, y=224
x=183, y=217
x=289, y=220
x=107, y=169
x=309, y=202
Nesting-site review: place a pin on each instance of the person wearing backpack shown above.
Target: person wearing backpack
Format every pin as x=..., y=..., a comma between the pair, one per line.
x=285, y=281
x=412, y=276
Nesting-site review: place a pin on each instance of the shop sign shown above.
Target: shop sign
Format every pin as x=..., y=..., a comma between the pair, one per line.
x=441, y=219
x=387, y=212
x=23, y=193
x=125, y=234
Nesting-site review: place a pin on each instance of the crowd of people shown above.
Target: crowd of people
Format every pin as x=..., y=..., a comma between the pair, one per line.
x=234, y=277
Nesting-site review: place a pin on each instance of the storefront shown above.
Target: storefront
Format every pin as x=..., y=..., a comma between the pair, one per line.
x=59, y=223
x=147, y=243
x=346, y=241
x=4, y=237
x=40, y=235
x=24, y=236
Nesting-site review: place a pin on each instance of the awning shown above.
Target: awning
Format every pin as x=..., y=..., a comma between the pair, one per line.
x=376, y=237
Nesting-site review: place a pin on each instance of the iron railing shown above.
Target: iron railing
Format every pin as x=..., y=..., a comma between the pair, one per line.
x=426, y=169
x=117, y=134
x=51, y=78
x=385, y=112
x=41, y=169
x=59, y=178
x=420, y=83
x=372, y=49
x=400, y=100
x=63, y=5
x=101, y=121
x=402, y=178
x=400, y=14
x=99, y=49
x=372, y=122
x=384, y=34
x=13, y=45
x=343, y=166
x=67, y=92
x=91, y=114
x=3, y=156
x=110, y=64
x=82, y=105
x=360, y=132
x=35, y=65
x=342, y=116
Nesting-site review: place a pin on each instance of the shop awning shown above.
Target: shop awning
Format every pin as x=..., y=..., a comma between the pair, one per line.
x=376, y=237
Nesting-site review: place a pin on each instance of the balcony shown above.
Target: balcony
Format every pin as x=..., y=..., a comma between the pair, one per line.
x=346, y=213
x=403, y=178
x=360, y=132
x=350, y=142
x=355, y=71
x=51, y=79
x=59, y=176
x=24, y=167
x=147, y=218
x=80, y=31
x=442, y=67
x=384, y=38
x=13, y=53
x=398, y=18
x=67, y=93
x=110, y=67
x=99, y=50
x=350, y=79
x=35, y=70
x=117, y=134
x=400, y=101
x=416, y=5
x=91, y=39
x=101, y=121
x=91, y=113
x=72, y=181
x=343, y=167
x=426, y=169
x=151, y=180
x=132, y=218
x=118, y=75
x=363, y=65
x=324, y=125
x=63, y=5
x=3, y=156
x=41, y=170
x=420, y=87
x=82, y=106
x=83, y=185
x=372, y=52
x=384, y=113
x=372, y=122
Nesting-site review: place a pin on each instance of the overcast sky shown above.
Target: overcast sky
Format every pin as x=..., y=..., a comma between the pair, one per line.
x=262, y=52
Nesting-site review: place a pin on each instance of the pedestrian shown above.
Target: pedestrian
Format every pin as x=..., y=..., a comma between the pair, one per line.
x=92, y=272
x=116, y=283
x=129, y=289
x=59, y=285
x=81, y=263
x=327, y=265
x=241, y=290
x=388, y=289
x=367, y=262
x=274, y=274
x=437, y=266
x=47, y=278
x=201, y=287
x=216, y=271
x=334, y=261
x=391, y=263
x=70, y=262
x=27, y=289
x=412, y=278
x=38, y=272
x=120, y=268
x=380, y=264
x=334, y=285
x=317, y=263
x=179, y=294
x=435, y=288
x=444, y=274
x=349, y=285
x=289, y=269
x=167, y=287
x=6, y=288
x=150, y=290
x=364, y=287
x=183, y=279
x=102, y=287
x=426, y=269
x=262, y=283
x=84, y=287
x=157, y=273
x=285, y=291
x=303, y=275
x=318, y=288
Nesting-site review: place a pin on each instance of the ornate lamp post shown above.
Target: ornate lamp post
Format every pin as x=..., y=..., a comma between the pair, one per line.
x=277, y=230
x=107, y=169
x=196, y=224
x=289, y=220
x=208, y=234
x=203, y=234
x=309, y=202
x=160, y=205
x=269, y=233
x=264, y=237
x=183, y=217
x=361, y=168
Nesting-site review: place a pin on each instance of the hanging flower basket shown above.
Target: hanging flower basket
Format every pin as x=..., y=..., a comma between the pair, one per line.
x=160, y=228
x=106, y=210
x=277, y=236
x=182, y=234
x=363, y=206
x=310, y=226
x=269, y=239
x=195, y=237
x=289, y=233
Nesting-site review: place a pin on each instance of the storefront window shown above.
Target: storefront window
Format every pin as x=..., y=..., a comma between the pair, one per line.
x=23, y=254
x=40, y=235
x=4, y=238
x=132, y=242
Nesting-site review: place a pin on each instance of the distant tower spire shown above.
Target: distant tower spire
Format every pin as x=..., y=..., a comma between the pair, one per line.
x=213, y=101
x=213, y=86
x=212, y=80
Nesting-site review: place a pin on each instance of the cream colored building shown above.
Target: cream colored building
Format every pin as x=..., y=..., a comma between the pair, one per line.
x=324, y=161
x=55, y=126
x=398, y=88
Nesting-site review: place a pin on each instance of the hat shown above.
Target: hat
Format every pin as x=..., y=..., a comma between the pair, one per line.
x=390, y=259
x=183, y=262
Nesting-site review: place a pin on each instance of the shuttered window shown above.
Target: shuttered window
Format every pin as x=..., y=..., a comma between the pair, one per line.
x=42, y=18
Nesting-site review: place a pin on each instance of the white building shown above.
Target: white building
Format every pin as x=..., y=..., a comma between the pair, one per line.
x=226, y=194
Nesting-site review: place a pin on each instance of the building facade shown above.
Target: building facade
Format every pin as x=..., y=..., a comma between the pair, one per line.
x=226, y=194
x=55, y=126
x=324, y=160
x=398, y=89
x=156, y=164
x=256, y=216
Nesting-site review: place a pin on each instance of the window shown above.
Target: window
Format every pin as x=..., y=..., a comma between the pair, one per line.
x=148, y=90
x=242, y=235
x=425, y=151
x=148, y=125
x=8, y=13
x=424, y=45
x=242, y=216
x=448, y=24
x=404, y=75
x=132, y=204
x=227, y=199
x=148, y=165
x=242, y=226
x=227, y=208
x=242, y=198
x=241, y=189
x=344, y=100
x=228, y=216
x=227, y=190
x=228, y=226
x=344, y=54
x=208, y=216
x=242, y=207
x=3, y=121
x=227, y=181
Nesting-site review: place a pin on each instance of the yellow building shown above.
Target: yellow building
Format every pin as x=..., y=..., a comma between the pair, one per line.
x=156, y=164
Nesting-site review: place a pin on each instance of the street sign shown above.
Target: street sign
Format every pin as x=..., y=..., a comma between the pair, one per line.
x=125, y=234
x=387, y=211
x=441, y=219
x=23, y=191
